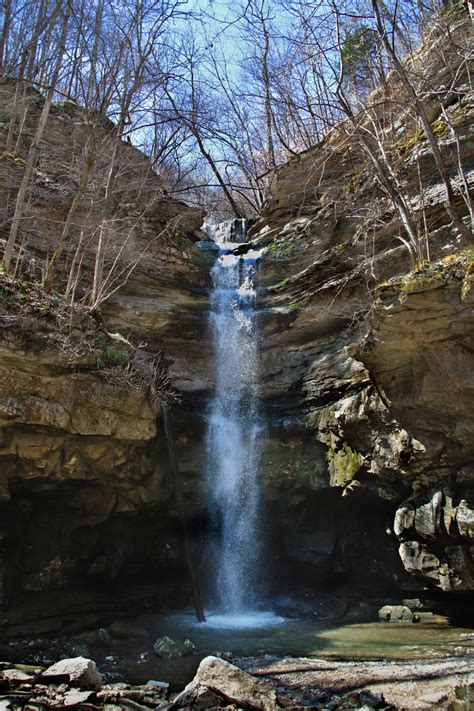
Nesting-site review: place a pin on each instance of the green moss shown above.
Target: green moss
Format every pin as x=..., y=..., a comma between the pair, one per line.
x=457, y=267
x=462, y=113
x=439, y=127
x=280, y=250
x=457, y=10
x=362, y=229
x=467, y=279
x=354, y=184
x=112, y=356
x=14, y=158
x=284, y=282
x=407, y=142
x=410, y=140
x=343, y=464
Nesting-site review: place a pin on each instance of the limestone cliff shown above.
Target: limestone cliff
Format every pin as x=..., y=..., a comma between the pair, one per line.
x=367, y=465
x=86, y=504
x=367, y=363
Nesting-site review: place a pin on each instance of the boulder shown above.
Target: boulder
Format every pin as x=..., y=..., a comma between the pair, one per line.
x=168, y=648
x=235, y=685
x=198, y=697
x=18, y=676
x=395, y=613
x=79, y=671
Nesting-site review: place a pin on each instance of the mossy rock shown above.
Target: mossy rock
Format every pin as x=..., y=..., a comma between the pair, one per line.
x=343, y=465
x=281, y=250
x=429, y=275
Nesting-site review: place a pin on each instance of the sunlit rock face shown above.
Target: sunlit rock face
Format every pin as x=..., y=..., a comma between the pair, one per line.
x=367, y=365
x=365, y=375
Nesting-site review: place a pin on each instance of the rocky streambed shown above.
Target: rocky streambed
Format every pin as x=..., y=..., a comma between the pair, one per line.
x=404, y=661
x=259, y=683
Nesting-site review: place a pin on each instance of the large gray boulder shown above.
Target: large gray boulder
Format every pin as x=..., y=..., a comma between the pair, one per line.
x=233, y=685
x=79, y=671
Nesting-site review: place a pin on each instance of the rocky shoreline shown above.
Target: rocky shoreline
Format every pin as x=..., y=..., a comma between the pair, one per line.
x=261, y=684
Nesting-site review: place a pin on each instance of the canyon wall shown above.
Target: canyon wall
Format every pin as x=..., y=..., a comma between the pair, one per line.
x=366, y=380
x=367, y=362
x=86, y=502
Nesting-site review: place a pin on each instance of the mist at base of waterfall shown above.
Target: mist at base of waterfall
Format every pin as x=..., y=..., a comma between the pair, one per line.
x=248, y=620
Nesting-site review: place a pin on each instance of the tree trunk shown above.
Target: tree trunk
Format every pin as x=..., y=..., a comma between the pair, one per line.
x=174, y=468
x=5, y=34
x=84, y=181
x=417, y=104
x=32, y=156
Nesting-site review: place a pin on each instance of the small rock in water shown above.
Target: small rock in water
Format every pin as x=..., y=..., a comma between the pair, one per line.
x=168, y=648
x=100, y=637
x=395, y=613
x=81, y=672
x=413, y=603
x=78, y=650
x=161, y=685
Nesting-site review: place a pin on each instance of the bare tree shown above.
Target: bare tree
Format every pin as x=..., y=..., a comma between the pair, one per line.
x=33, y=152
x=417, y=104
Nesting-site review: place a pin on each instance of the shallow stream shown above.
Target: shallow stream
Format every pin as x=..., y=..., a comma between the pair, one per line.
x=261, y=634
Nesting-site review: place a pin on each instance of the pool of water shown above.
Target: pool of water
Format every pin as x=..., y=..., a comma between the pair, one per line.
x=264, y=633
x=254, y=634
x=267, y=633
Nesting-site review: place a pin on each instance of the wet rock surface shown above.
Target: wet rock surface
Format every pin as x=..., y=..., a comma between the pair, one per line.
x=320, y=684
x=173, y=649
x=259, y=684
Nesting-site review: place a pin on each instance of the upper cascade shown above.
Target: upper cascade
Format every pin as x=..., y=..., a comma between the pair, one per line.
x=232, y=231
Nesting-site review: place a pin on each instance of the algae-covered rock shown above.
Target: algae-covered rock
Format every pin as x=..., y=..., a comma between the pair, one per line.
x=395, y=613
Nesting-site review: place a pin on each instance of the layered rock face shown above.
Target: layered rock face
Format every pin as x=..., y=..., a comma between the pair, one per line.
x=367, y=460
x=86, y=503
x=366, y=363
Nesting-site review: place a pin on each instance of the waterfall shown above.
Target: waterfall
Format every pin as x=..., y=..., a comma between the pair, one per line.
x=234, y=424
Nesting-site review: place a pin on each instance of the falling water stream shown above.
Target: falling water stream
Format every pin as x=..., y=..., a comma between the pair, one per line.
x=235, y=427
